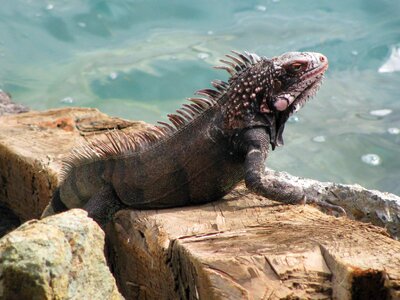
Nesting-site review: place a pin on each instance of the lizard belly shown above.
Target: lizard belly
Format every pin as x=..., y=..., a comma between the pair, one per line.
x=177, y=182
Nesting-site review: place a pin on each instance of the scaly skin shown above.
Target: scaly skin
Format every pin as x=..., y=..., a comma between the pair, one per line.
x=210, y=146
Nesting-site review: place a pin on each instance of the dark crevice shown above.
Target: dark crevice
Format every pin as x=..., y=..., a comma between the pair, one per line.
x=173, y=265
x=369, y=284
x=111, y=257
x=8, y=220
x=141, y=234
x=183, y=272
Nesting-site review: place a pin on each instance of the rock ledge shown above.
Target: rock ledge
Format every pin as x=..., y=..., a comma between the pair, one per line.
x=60, y=257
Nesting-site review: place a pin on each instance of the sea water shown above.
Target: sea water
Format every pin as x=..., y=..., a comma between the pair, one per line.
x=140, y=59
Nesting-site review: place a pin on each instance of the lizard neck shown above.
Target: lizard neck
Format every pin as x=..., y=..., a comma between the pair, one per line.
x=248, y=95
x=246, y=103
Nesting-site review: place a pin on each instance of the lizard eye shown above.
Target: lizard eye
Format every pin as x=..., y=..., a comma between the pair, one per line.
x=296, y=67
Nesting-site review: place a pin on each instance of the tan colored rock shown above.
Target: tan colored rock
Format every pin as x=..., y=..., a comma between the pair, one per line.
x=370, y=206
x=60, y=257
x=242, y=247
x=245, y=247
x=32, y=147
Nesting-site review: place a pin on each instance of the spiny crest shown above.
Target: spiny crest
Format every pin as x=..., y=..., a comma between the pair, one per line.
x=251, y=85
x=240, y=63
x=198, y=105
x=117, y=143
x=111, y=144
x=188, y=112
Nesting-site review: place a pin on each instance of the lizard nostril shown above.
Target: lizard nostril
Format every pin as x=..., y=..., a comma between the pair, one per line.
x=322, y=58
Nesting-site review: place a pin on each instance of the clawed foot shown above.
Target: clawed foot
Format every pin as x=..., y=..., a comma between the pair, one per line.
x=331, y=209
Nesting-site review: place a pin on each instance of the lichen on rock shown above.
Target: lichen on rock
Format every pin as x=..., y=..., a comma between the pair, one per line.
x=60, y=257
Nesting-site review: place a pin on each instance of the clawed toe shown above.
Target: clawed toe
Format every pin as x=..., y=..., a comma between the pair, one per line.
x=328, y=208
x=332, y=209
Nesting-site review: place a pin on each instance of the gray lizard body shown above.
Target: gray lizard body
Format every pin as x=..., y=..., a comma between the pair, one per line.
x=206, y=149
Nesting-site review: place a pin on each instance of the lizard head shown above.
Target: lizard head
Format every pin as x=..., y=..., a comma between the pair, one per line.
x=296, y=77
x=265, y=92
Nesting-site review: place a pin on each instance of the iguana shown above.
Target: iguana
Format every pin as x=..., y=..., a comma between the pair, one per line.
x=207, y=147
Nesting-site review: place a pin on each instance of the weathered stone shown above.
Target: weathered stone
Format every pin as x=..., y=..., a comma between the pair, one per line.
x=32, y=147
x=60, y=257
x=8, y=220
x=247, y=247
x=370, y=206
x=243, y=246
x=9, y=107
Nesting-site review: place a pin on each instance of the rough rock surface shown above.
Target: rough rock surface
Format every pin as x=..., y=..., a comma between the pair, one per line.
x=370, y=206
x=242, y=247
x=32, y=147
x=60, y=257
x=8, y=220
x=9, y=107
x=248, y=247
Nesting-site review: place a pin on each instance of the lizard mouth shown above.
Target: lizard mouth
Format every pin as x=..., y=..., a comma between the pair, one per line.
x=311, y=82
x=306, y=94
x=317, y=71
x=316, y=76
x=306, y=87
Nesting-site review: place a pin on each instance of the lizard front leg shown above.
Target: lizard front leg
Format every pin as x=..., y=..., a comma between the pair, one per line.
x=103, y=205
x=255, y=144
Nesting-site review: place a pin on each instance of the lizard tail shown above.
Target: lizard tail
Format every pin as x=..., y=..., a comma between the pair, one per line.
x=55, y=206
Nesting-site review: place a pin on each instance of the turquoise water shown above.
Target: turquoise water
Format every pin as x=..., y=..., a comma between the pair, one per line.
x=140, y=59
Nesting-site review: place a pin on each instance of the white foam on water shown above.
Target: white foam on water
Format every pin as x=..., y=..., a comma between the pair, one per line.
x=393, y=63
x=203, y=55
x=371, y=159
x=380, y=112
x=113, y=75
x=67, y=100
x=261, y=8
x=293, y=119
x=319, y=139
x=393, y=130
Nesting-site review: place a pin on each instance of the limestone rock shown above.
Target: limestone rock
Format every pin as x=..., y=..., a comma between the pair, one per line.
x=9, y=107
x=60, y=257
x=248, y=247
x=370, y=206
x=244, y=246
x=32, y=147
